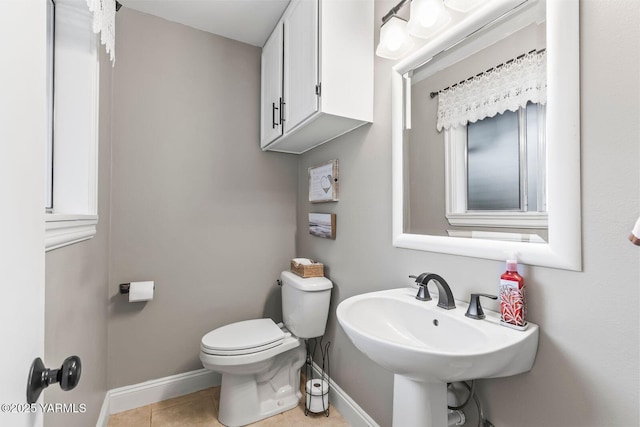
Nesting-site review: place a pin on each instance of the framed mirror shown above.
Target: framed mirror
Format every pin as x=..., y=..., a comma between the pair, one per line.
x=476, y=179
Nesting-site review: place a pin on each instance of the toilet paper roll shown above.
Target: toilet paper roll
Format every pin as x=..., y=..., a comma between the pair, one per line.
x=141, y=291
x=317, y=395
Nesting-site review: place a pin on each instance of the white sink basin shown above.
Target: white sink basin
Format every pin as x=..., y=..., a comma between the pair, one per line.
x=423, y=343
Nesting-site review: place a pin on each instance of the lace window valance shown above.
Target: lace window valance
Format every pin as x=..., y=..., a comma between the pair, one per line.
x=507, y=87
x=104, y=22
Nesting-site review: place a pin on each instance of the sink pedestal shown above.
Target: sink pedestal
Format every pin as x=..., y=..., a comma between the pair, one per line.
x=419, y=404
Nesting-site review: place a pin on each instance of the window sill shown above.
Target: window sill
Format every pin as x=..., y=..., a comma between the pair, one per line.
x=499, y=219
x=63, y=230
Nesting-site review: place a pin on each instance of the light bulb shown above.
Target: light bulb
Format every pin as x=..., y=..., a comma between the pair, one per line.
x=394, y=40
x=395, y=37
x=428, y=13
x=427, y=17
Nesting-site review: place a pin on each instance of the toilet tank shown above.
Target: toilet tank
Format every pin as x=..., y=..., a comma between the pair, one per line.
x=305, y=304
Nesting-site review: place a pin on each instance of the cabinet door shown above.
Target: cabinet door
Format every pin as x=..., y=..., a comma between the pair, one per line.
x=300, y=62
x=271, y=88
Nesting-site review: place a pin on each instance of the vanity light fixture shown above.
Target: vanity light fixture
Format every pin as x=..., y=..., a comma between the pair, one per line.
x=463, y=6
x=427, y=18
x=394, y=38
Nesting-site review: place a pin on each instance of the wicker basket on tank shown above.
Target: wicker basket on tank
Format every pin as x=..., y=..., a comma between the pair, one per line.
x=314, y=270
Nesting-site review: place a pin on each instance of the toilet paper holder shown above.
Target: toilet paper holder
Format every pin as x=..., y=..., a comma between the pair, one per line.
x=138, y=291
x=126, y=287
x=317, y=385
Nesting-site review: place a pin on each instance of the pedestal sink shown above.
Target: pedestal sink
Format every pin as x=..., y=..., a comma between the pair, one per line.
x=426, y=347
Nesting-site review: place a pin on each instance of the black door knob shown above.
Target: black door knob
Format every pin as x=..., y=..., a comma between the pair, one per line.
x=40, y=377
x=70, y=373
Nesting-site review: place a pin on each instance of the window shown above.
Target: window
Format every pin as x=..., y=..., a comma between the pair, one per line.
x=502, y=162
x=496, y=173
x=72, y=163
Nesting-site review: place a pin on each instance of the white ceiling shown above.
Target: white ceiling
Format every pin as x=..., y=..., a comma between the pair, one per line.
x=248, y=21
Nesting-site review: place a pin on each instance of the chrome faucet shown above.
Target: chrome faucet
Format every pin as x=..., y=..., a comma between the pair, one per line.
x=445, y=296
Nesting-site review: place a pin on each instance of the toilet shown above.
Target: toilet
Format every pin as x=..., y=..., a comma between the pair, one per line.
x=260, y=360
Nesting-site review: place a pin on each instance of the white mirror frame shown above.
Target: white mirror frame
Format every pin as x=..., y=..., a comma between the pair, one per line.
x=564, y=247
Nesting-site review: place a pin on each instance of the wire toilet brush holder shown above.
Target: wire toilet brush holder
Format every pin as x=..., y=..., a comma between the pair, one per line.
x=317, y=383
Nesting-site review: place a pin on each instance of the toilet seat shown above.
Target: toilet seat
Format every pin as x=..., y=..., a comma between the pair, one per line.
x=245, y=337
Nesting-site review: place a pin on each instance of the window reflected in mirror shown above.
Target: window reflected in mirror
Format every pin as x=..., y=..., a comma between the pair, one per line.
x=503, y=153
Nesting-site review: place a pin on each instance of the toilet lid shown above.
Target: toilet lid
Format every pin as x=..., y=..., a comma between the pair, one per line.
x=243, y=337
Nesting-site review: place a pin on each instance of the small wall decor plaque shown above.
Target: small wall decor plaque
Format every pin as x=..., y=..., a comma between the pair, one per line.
x=323, y=182
x=322, y=225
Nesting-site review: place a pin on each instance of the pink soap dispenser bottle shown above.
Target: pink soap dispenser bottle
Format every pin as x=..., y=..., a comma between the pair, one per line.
x=513, y=307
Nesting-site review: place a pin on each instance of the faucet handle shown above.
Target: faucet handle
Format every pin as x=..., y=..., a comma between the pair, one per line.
x=419, y=278
x=423, y=294
x=475, y=308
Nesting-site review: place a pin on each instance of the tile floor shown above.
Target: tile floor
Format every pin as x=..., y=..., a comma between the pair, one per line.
x=200, y=409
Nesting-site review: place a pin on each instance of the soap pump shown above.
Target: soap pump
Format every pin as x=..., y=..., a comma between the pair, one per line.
x=513, y=308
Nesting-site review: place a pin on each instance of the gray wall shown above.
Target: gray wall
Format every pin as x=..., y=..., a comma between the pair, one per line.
x=77, y=277
x=196, y=206
x=586, y=371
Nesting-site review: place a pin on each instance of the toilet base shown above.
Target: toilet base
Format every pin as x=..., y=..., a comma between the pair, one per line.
x=245, y=399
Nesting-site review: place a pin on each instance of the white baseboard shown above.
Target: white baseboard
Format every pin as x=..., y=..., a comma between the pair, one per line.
x=137, y=395
x=103, y=418
x=348, y=408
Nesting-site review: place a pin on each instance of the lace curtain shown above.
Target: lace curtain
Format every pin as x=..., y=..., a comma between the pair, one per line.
x=507, y=87
x=104, y=22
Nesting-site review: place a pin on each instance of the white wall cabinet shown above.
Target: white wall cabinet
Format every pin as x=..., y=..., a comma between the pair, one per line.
x=317, y=74
x=271, y=83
